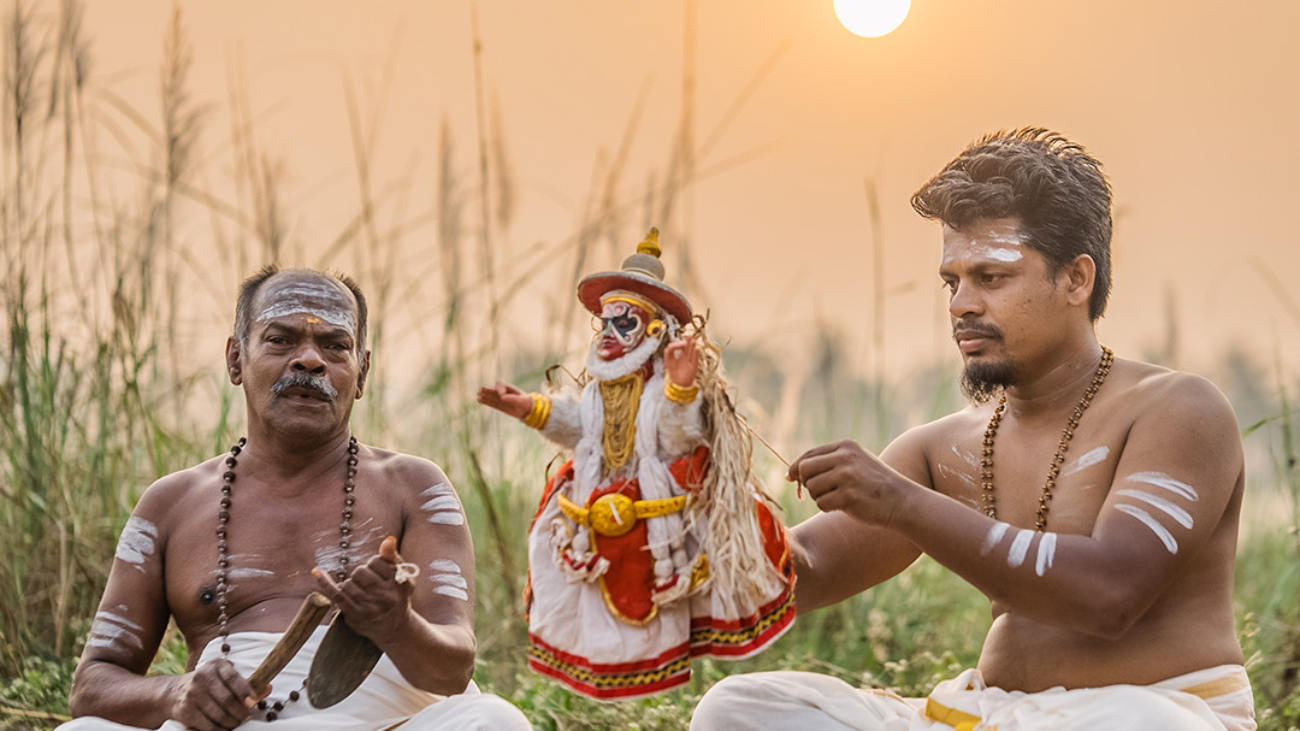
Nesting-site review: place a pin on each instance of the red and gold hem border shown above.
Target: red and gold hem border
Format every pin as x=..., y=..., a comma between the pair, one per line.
x=731, y=640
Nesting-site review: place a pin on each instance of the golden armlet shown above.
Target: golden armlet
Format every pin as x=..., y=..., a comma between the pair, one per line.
x=613, y=515
x=540, y=412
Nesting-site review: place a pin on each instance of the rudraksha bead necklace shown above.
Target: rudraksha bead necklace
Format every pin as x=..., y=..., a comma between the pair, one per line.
x=273, y=708
x=1054, y=471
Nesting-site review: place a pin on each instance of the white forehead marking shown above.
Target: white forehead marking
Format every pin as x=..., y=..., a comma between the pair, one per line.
x=1161, y=480
x=311, y=298
x=1046, y=553
x=443, y=507
x=1183, y=517
x=1002, y=254
x=1088, y=459
x=1019, y=547
x=137, y=541
x=995, y=534
x=1161, y=532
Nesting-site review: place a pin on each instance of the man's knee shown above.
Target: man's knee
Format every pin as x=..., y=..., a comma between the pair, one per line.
x=722, y=707
x=476, y=712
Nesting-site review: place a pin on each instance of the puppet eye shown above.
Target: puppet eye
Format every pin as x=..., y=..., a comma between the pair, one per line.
x=655, y=328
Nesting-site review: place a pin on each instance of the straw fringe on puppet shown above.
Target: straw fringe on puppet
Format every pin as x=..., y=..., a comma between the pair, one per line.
x=652, y=545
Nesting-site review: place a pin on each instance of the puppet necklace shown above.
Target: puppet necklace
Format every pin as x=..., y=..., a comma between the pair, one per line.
x=273, y=708
x=986, y=460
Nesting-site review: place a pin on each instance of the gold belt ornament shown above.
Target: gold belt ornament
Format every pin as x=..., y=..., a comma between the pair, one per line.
x=614, y=515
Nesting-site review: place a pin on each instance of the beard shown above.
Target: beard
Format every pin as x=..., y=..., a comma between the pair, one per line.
x=981, y=381
x=629, y=362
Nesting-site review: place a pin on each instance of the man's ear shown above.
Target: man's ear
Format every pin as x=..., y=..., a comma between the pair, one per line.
x=361, y=376
x=1081, y=277
x=234, y=365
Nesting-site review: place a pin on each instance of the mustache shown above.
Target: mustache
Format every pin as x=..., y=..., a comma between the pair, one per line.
x=307, y=381
x=968, y=328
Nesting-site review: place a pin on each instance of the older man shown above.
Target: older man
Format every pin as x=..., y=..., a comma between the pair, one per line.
x=1093, y=500
x=230, y=548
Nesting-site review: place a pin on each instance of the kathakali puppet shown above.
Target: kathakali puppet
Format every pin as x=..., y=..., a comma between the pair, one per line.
x=651, y=545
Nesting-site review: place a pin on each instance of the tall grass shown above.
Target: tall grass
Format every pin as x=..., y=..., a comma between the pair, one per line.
x=97, y=398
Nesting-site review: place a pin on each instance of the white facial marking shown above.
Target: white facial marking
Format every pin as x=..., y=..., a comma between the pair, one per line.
x=317, y=299
x=1088, y=459
x=443, y=506
x=448, y=580
x=1161, y=480
x=995, y=534
x=1161, y=532
x=109, y=629
x=137, y=542
x=1046, y=553
x=1183, y=517
x=1019, y=547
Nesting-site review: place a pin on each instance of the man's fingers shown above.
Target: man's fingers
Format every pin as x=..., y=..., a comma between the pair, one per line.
x=794, y=474
x=326, y=584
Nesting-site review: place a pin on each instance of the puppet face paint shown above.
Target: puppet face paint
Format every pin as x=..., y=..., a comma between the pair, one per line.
x=442, y=505
x=1088, y=459
x=137, y=542
x=320, y=300
x=622, y=328
x=109, y=630
x=448, y=580
x=1165, y=482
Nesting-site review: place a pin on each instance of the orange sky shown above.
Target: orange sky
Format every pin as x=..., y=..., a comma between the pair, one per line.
x=1190, y=104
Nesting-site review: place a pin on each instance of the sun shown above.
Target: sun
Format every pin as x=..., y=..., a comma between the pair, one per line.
x=872, y=18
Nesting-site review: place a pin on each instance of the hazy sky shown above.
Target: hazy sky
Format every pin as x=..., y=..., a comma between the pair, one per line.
x=1190, y=104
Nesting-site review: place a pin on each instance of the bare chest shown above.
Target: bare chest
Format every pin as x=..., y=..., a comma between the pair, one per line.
x=272, y=545
x=1022, y=477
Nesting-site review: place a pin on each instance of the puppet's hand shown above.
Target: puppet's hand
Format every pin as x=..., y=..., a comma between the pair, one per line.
x=507, y=399
x=681, y=362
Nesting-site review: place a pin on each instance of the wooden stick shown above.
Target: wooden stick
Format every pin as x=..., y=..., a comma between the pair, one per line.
x=309, y=616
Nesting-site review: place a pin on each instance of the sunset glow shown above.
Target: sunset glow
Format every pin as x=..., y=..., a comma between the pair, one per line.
x=872, y=18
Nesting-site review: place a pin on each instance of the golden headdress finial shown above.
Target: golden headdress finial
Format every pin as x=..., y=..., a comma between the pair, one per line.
x=650, y=245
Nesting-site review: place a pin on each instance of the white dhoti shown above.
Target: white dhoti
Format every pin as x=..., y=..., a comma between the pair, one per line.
x=384, y=701
x=1215, y=699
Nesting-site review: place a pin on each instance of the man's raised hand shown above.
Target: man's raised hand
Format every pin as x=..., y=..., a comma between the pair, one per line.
x=845, y=477
x=376, y=603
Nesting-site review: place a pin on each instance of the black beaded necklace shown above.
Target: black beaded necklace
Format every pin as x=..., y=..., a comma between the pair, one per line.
x=273, y=708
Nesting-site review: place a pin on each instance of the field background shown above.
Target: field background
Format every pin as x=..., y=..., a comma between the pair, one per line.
x=128, y=221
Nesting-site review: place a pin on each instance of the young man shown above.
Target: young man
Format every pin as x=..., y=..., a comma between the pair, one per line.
x=230, y=548
x=1093, y=500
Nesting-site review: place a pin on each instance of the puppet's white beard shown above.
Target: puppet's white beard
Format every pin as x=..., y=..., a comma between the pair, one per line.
x=608, y=370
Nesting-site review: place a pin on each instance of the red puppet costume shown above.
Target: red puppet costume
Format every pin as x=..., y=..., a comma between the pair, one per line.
x=651, y=545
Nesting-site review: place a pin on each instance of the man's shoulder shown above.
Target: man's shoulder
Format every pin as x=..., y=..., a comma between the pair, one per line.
x=1145, y=386
x=406, y=470
x=174, y=491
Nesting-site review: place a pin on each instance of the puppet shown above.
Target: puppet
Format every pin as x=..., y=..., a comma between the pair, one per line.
x=652, y=545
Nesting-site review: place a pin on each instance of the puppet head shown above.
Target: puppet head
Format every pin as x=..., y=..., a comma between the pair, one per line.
x=635, y=307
